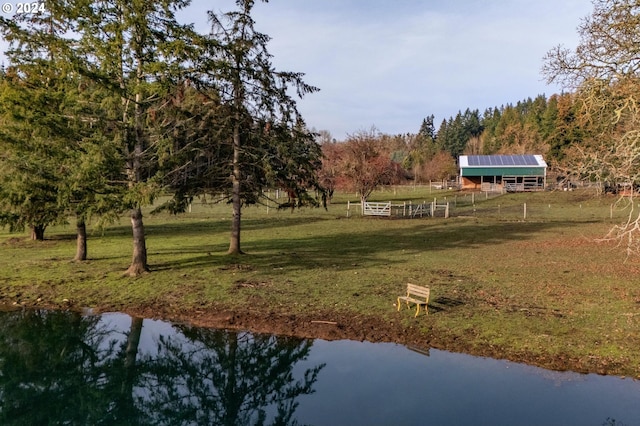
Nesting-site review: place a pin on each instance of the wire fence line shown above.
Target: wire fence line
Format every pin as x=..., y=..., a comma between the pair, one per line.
x=488, y=205
x=546, y=212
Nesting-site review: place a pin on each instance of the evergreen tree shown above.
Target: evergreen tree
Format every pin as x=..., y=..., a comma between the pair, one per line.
x=38, y=128
x=490, y=120
x=136, y=52
x=422, y=148
x=69, y=137
x=427, y=128
x=459, y=130
x=566, y=130
x=270, y=143
x=547, y=125
x=32, y=143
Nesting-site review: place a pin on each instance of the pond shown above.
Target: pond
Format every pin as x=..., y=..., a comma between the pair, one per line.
x=60, y=367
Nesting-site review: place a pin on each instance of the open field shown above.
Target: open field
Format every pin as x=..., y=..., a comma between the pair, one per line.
x=540, y=290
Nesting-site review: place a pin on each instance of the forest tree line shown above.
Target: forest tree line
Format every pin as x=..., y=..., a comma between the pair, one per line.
x=547, y=126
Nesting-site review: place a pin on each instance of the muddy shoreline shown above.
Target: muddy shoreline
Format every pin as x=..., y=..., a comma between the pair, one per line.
x=337, y=326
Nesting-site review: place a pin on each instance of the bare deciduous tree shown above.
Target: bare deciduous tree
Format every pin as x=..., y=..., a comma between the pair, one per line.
x=604, y=71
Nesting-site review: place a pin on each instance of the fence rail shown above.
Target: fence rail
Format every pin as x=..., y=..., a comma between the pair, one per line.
x=405, y=209
x=377, y=209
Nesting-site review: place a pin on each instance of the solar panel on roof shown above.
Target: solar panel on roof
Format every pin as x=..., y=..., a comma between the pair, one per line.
x=502, y=160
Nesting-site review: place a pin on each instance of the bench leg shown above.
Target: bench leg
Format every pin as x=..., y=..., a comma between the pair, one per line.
x=407, y=302
x=426, y=309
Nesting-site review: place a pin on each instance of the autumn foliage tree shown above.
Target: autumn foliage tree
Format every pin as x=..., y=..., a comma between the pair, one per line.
x=440, y=166
x=329, y=172
x=366, y=164
x=604, y=72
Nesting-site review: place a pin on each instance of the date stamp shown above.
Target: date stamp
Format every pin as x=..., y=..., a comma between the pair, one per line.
x=23, y=8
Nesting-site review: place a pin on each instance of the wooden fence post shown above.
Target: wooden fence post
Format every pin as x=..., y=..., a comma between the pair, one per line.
x=525, y=211
x=446, y=211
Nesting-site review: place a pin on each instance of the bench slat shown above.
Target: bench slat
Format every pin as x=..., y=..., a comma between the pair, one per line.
x=417, y=290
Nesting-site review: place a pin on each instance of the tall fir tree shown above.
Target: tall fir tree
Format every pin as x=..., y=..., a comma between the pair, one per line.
x=36, y=130
x=270, y=143
x=136, y=51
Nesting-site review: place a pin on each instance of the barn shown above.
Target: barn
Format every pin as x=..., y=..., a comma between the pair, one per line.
x=511, y=173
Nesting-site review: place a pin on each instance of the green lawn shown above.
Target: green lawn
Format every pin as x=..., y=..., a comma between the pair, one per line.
x=541, y=288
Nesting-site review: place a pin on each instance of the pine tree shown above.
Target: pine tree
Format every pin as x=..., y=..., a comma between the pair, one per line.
x=57, y=117
x=270, y=143
x=36, y=129
x=136, y=52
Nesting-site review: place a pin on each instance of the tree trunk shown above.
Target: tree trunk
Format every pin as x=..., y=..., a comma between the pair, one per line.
x=236, y=201
x=133, y=341
x=230, y=387
x=81, y=239
x=125, y=406
x=139, y=259
x=37, y=232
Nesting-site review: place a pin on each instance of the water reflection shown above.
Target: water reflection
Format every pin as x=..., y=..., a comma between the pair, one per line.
x=51, y=364
x=65, y=368
x=214, y=377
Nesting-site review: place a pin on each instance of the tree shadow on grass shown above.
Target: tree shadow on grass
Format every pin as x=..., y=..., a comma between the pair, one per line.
x=362, y=249
x=358, y=250
x=198, y=227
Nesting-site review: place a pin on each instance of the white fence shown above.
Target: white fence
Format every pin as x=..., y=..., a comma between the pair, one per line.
x=405, y=209
x=377, y=209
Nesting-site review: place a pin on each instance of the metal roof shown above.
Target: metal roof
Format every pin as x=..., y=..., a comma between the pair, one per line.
x=470, y=161
x=502, y=165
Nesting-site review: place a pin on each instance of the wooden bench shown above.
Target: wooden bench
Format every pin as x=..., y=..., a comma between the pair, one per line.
x=418, y=295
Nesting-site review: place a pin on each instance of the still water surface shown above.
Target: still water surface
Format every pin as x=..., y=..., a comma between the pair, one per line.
x=65, y=368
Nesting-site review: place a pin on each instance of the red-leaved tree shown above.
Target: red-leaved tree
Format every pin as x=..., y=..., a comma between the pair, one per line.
x=366, y=164
x=329, y=173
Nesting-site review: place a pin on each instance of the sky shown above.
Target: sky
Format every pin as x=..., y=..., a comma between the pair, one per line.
x=390, y=63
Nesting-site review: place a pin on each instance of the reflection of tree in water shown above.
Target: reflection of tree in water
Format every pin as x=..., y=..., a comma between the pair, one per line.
x=52, y=366
x=65, y=368
x=226, y=378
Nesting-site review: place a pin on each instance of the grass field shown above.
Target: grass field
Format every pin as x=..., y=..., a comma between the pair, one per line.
x=540, y=289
